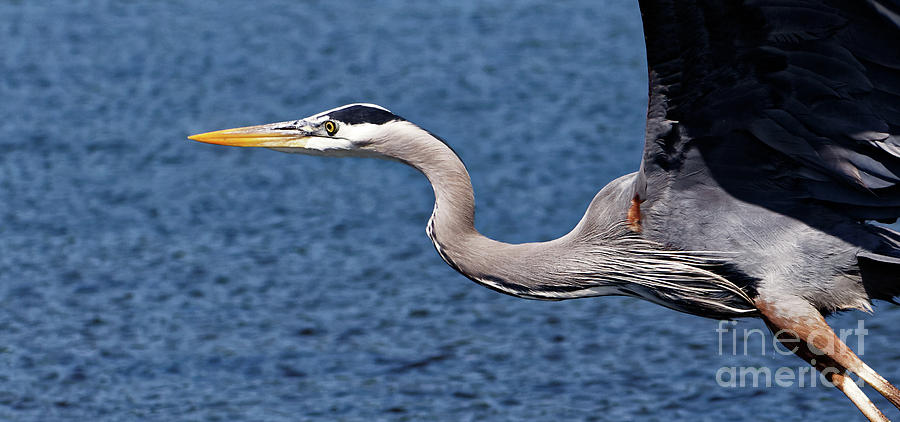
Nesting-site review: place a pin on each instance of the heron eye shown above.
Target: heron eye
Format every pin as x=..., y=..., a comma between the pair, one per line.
x=331, y=128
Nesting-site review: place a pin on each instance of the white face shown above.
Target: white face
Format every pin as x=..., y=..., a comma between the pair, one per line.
x=350, y=130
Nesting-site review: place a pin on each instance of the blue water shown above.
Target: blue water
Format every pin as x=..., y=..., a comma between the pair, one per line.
x=147, y=277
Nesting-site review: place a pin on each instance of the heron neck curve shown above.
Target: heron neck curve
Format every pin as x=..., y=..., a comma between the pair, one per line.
x=508, y=268
x=453, y=217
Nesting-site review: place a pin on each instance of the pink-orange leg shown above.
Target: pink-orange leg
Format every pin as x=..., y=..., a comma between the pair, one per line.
x=835, y=374
x=800, y=320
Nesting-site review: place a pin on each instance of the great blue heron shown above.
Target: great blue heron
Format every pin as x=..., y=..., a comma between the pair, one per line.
x=773, y=137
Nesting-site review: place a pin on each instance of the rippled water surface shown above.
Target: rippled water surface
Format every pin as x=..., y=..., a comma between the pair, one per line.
x=146, y=277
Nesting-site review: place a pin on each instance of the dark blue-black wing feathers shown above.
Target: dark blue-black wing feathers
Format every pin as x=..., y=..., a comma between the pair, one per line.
x=803, y=94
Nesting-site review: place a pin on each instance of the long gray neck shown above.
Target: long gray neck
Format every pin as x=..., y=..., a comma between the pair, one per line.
x=511, y=269
x=531, y=270
x=598, y=257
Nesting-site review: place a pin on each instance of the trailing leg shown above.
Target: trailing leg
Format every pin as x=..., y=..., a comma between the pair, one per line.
x=800, y=320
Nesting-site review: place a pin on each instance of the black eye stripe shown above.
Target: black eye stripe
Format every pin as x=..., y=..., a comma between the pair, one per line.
x=357, y=114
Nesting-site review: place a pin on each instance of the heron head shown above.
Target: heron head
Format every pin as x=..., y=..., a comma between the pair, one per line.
x=353, y=130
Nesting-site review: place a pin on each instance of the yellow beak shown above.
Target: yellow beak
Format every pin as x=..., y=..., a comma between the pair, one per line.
x=272, y=135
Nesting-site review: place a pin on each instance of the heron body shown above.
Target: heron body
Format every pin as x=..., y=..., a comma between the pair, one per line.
x=772, y=141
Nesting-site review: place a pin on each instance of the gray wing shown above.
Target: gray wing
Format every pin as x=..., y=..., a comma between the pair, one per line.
x=801, y=95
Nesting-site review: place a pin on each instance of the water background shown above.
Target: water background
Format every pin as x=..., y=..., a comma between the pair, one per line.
x=146, y=277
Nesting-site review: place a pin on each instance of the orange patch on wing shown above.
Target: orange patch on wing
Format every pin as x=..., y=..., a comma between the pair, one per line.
x=634, y=214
